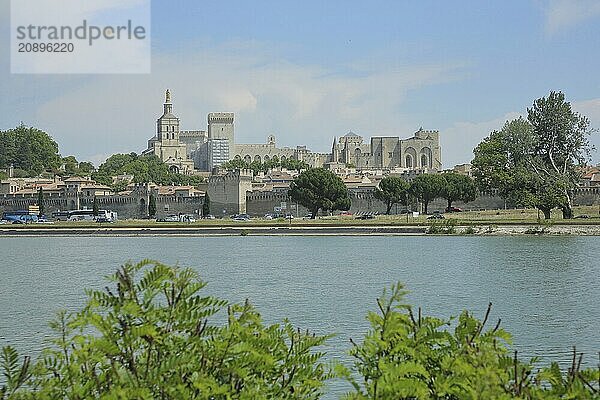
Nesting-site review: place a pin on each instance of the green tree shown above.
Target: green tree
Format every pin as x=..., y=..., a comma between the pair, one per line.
x=392, y=190
x=41, y=202
x=95, y=207
x=560, y=145
x=152, y=206
x=427, y=187
x=319, y=189
x=206, y=205
x=153, y=335
x=535, y=162
x=458, y=188
x=28, y=149
x=144, y=168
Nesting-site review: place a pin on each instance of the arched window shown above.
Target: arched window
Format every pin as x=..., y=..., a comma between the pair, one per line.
x=409, y=161
x=424, y=162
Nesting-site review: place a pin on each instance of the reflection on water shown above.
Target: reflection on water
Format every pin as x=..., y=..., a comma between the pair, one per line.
x=545, y=289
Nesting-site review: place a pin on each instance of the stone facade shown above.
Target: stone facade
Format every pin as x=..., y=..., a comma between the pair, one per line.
x=227, y=192
x=166, y=144
x=422, y=151
x=185, y=150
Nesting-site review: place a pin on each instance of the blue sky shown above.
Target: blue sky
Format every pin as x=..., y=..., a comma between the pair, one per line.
x=308, y=71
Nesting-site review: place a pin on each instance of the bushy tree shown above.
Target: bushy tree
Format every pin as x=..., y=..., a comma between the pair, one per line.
x=535, y=162
x=144, y=168
x=275, y=162
x=319, y=189
x=426, y=188
x=392, y=190
x=152, y=335
x=458, y=188
x=406, y=355
x=28, y=149
x=73, y=167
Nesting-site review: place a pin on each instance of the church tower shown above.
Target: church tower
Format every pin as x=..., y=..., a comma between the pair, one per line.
x=167, y=125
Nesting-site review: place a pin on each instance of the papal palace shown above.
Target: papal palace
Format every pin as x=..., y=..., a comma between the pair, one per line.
x=203, y=150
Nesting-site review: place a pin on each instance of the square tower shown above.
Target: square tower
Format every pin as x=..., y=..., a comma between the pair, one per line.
x=220, y=126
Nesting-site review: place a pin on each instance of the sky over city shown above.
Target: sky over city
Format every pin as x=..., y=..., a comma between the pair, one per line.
x=310, y=71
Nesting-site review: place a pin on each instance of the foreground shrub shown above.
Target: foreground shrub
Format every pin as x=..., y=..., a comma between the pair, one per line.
x=151, y=337
x=408, y=356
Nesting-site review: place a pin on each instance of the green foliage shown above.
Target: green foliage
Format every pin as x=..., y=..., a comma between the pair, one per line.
x=256, y=167
x=95, y=207
x=41, y=202
x=3, y=175
x=152, y=206
x=392, y=190
x=206, y=205
x=443, y=227
x=427, y=187
x=319, y=189
x=73, y=167
x=29, y=150
x=458, y=188
x=408, y=356
x=151, y=336
x=469, y=230
x=144, y=168
x=534, y=162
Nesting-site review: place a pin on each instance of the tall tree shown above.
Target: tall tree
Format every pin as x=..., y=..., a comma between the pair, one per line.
x=535, y=162
x=427, y=187
x=319, y=189
x=561, y=144
x=95, y=207
x=206, y=205
x=41, y=202
x=392, y=190
x=458, y=188
x=152, y=206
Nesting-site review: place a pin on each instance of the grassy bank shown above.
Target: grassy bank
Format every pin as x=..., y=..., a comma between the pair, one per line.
x=467, y=218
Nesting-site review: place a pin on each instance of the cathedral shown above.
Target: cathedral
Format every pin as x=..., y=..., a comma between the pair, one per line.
x=186, y=151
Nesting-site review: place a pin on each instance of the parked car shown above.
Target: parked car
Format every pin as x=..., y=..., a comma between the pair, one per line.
x=582, y=216
x=345, y=213
x=103, y=220
x=366, y=216
x=208, y=216
x=436, y=216
x=307, y=216
x=453, y=209
x=268, y=216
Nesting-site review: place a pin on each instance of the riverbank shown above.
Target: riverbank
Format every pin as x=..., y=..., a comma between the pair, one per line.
x=305, y=230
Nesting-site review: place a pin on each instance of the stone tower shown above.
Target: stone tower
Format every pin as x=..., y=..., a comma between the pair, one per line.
x=167, y=126
x=220, y=126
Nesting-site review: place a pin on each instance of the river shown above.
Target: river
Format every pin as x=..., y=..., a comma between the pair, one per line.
x=545, y=289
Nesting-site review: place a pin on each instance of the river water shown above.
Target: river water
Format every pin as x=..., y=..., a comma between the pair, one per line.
x=545, y=289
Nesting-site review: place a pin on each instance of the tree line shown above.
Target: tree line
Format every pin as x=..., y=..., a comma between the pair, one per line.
x=154, y=333
x=320, y=189
x=290, y=164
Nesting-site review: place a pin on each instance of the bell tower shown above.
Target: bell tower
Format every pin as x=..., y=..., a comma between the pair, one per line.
x=167, y=126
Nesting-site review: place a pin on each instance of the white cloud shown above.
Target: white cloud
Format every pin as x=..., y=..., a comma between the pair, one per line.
x=564, y=14
x=459, y=140
x=301, y=104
